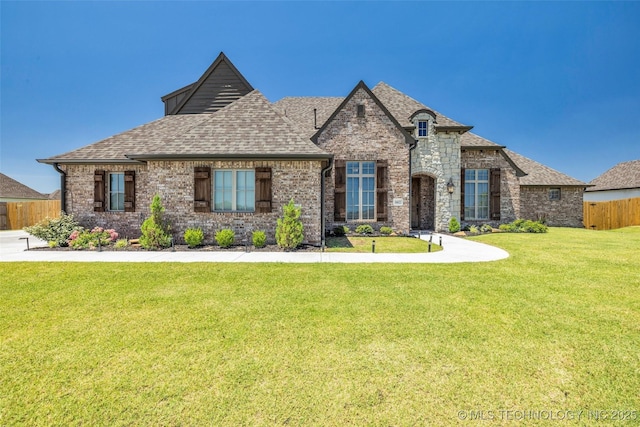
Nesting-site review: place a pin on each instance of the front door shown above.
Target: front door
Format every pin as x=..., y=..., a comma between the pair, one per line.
x=415, y=203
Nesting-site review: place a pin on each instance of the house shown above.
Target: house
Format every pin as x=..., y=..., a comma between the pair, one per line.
x=14, y=191
x=620, y=182
x=223, y=156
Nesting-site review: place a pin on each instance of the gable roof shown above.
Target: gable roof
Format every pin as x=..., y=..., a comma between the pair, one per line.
x=625, y=175
x=220, y=85
x=247, y=128
x=541, y=175
x=301, y=111
x=362, y=86
x=12, y=189
x=403, y=108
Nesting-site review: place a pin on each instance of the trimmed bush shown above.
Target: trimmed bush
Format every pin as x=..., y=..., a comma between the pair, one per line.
x=289, y=231
x=340, y=231
x=364, y=229
x=454, y=225
x=259, y=239
x=121, y=244
x=155, y=230
x=524, y=226
x=386, y=230
x=55, y=230
x=193, y=237
x=225, y=238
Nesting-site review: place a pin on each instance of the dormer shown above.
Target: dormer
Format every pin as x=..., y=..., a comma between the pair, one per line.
x=422, y=121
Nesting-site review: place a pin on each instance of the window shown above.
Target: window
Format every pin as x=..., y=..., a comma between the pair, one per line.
x=234, y=190
x=361, y=190
x=116, y=191
x=360, y=111
x=476, y=194
x=422, y=128
x=554, y=194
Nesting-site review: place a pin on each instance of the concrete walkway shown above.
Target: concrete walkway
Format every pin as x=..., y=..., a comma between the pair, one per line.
x=13, y=248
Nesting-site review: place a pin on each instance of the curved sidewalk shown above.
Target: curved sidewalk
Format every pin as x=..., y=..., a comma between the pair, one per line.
x=455, y=249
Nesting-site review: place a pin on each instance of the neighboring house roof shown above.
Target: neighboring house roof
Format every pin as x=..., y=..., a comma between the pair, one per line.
x=248, y=127
x=54, y=196
x=541, y=175
x=12, y=189
x=625, y=175
x=403, y=107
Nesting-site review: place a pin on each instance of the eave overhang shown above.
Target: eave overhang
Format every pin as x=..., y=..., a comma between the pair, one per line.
x=458, y=129
x=88, y=161
x=231, y=156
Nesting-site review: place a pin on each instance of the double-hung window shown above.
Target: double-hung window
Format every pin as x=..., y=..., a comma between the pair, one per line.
x=476, y=194
x=234, y=190
x=116, y=191
x=361, y=190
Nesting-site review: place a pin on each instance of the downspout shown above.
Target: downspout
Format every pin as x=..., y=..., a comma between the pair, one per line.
x=322, y=193
x=411, y=148
x=63, y=187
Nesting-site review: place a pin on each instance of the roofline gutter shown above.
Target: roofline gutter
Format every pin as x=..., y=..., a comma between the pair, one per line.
x=461, y=129
x=557, y=185
x=142, y=157
x=323, y=225
x=63, y=187
x=89, y=162
x=482, y=147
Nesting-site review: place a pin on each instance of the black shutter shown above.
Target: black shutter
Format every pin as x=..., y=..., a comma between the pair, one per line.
x=202, y=189
x=382, y=190
x=340, y=191
x=494, y=195
x=130, y=191
x=99, y=191
x=263, y=190
x=462, y=194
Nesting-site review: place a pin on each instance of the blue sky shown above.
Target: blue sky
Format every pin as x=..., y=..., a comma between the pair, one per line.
x=558, y=82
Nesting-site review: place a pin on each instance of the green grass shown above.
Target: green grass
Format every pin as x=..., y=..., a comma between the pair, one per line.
x=556, y=326
x=383, y=244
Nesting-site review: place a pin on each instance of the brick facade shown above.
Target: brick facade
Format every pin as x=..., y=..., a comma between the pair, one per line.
x=566, y=212
x=174, y=182
x=369, y=138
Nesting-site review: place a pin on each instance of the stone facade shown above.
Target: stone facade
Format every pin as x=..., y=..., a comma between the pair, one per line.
x=369, y=138
x=565, y=212
x=174, y=182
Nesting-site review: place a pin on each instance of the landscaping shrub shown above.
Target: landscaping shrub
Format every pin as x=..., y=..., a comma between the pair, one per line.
x=524, y=226
x=454, y=225
x=121, y=244
x=386, y=230
x=340, y=231
x=98, y=236
x=486, y=228
x=364, y=229
x=289, y=231
x=259, y=239
x=155, y=231
x=193, y=237
x=474, y=229
x=225, y=238
x=55, y=230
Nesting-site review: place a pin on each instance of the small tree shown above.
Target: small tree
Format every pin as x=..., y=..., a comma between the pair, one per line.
x=155, y=231
x=454, y=225
x=289, y=232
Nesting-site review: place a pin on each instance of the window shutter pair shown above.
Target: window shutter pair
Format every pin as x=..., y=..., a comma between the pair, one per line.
x=100, y=191
x=202, y=189
x=462, y=194
x=340, y=190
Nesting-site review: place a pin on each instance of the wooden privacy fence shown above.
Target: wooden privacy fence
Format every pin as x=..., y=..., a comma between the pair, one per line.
x=611, y=214
x=17, y=215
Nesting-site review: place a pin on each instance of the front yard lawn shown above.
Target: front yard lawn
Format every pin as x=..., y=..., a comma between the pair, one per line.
x=554, y=327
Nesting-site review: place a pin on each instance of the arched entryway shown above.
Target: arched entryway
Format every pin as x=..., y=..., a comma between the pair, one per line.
x=423, y=202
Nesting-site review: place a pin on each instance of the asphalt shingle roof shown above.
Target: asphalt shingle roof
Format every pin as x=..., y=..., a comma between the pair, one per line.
x=469, y=139
x=248, y=126
x=624, y=175
x=539, y=174
x=402, y=106
x=12, y=189
x=300, y=111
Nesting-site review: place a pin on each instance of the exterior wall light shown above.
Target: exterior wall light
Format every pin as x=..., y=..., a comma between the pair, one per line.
x=450, y=186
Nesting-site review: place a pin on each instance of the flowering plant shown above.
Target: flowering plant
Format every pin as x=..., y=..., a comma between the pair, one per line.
x=98, y=236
